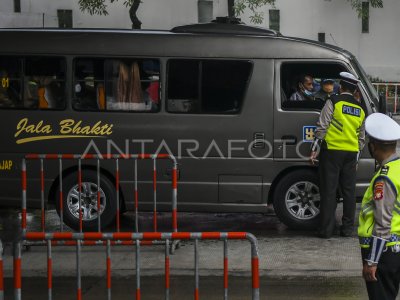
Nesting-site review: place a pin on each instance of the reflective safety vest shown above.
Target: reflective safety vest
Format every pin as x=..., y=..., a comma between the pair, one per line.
x=391, y=172
x=343, y=131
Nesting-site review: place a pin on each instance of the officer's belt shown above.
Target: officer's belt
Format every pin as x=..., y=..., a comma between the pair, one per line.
x=366, y=241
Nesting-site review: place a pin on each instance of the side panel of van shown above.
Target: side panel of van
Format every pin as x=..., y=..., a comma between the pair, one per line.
x=225, y=172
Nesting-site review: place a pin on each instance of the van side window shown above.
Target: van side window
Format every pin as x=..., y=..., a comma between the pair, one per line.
x=44, y=83
x=117, y=85
x=207, y=86
x=307, y=85
x=40, y=86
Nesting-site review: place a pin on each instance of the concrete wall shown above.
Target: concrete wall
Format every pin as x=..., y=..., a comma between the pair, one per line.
x=378, y=50
x=155, y=14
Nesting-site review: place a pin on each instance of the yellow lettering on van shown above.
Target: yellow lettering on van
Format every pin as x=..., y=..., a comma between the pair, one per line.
x=69, y=126
x=77, y=128
x=6, y=165
x=66, y=126
x=5, y=82
x=96, y=130
x=109, y=130
x=24, y=127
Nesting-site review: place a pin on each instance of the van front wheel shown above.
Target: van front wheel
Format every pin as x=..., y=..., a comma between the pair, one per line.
x=297, y=199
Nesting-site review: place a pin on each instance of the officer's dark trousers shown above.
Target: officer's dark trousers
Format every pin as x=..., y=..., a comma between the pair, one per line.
x=337, y=169
x=388, y=275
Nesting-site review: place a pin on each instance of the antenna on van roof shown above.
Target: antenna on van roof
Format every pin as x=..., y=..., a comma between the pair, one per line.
x=225, y=25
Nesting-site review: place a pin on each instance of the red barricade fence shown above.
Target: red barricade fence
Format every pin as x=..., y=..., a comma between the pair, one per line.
x=82, y=239
x=107, y=238
x=391, y=91
x=99, y=157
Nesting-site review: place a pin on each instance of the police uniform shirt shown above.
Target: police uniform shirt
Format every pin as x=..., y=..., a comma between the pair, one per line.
x=325, y=120
x=384, y=197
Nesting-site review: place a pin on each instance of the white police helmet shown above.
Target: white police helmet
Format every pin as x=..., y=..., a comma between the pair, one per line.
x=382, y=128
x=349, y=78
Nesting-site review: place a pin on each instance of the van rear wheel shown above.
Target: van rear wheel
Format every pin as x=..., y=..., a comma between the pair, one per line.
x=297, y=200
x=88, y=206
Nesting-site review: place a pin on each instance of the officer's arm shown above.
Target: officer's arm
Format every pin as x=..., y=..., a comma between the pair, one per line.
x=361, y=136
x=384, y=199
x=325, y=119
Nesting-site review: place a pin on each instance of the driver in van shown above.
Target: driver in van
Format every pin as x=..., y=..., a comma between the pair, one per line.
x=304, y=89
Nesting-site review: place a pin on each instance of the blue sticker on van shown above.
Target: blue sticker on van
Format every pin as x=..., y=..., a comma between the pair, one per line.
x=308, y=133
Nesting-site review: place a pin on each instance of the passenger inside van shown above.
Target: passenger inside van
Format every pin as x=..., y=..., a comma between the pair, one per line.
x=116, y=84
x=43, y=92
x=304, y=88
x=130, y=90
x=44, y=83
x=320, y=81
x=326, y=89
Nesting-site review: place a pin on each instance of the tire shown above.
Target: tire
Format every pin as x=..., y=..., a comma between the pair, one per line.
x=88, y=201
x=296, y=199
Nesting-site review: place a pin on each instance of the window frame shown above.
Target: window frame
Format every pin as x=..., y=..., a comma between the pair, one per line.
x=61, y=16
x=17, y=6
x=105, y=58
x=278, y=84
x=23, y=58
x=201, y=59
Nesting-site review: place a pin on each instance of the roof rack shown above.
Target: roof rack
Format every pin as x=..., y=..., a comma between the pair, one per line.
x=225, y=25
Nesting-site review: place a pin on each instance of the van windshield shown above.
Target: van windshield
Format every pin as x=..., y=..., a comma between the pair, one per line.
x=364, y=78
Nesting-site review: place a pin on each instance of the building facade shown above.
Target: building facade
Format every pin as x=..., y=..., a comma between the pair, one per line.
x=372, y=40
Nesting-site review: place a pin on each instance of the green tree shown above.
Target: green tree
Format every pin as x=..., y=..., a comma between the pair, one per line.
x=238, y=7
x=99, y=7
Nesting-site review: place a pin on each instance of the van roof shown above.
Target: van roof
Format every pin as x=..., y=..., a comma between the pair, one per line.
x=198, y=40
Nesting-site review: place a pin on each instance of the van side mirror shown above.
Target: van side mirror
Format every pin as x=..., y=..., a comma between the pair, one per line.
x=382, y=104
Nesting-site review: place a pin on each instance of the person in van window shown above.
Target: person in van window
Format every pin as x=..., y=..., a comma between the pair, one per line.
x=304, y=89
x=357, y=95
x=326, y=90
x=340, y=136
x=48, y=92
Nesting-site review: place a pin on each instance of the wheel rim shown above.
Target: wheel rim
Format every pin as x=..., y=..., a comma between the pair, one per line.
x=303, y=200
x=88, y=201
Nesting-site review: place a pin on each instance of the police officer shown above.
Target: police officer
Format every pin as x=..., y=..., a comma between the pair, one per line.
x=340, y=136
x=379, y=220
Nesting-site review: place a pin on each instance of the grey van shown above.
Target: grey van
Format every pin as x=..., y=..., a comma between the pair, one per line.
x=216, y=96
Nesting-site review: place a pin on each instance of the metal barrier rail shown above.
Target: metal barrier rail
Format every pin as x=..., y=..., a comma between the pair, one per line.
x=99, y=157
x=387, y=86
x=80, y=238
x=1, y=272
